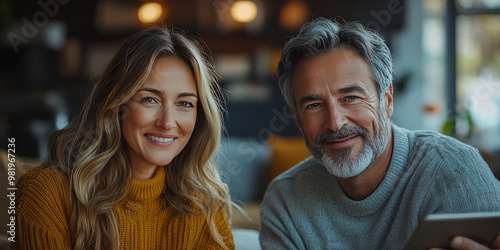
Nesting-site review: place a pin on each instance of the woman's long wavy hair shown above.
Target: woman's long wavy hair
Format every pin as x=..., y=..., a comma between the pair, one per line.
x=91, y=151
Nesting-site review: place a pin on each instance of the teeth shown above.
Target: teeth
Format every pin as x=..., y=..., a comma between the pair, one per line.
x=160, y=139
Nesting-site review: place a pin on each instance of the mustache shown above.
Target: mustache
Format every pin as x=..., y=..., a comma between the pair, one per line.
x=345, y=131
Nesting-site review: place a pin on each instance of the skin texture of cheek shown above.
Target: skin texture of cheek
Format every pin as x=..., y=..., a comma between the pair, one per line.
x=134, y=120
x=366, y=114
x=137, y=119
x=368, y=118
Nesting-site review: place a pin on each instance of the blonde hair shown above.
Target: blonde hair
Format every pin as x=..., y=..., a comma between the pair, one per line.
x=92, y=153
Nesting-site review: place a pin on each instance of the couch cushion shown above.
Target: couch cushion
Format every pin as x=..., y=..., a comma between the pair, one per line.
x=286, y=153
x=246, y=239
x=243, y=165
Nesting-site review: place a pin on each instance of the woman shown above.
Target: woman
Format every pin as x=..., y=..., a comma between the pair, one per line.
x=136, y=169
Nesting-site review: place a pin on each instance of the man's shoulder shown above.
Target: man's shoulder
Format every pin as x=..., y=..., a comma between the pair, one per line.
x=294, y=188
x=307, y=174
x=438, y=151
x=303, y=168
x=427, y=141
x=445, y=146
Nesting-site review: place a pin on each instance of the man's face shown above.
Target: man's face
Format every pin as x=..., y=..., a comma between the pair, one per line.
x=344, y=122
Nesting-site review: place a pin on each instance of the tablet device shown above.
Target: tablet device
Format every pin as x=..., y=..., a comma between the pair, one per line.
x=437, y=230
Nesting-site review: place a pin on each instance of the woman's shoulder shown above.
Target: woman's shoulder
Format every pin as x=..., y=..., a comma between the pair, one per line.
x=43, y=183
x=43, y=177
x=42, y=208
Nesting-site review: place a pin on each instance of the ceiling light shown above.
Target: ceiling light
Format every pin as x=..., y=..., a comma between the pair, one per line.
x=150, y=12
x=244, y=11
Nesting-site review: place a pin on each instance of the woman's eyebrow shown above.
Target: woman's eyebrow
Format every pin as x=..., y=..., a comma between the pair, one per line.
x=160, y=92
x=188, y=94
x=155, y=91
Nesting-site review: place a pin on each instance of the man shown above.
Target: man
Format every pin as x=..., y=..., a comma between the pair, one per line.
x=368, y=183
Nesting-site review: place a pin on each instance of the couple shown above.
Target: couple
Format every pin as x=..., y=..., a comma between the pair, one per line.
x=137, y=170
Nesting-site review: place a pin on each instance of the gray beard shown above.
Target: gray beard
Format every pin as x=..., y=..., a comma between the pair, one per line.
x=348, y=165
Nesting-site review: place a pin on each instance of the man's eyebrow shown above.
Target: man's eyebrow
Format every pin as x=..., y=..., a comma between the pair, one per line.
x=345, y=90
x=308, y=98
x=351, y=89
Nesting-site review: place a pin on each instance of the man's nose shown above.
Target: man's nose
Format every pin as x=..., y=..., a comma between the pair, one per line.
x=336, y=117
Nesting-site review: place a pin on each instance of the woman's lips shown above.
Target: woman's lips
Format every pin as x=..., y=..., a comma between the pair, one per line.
x=160, y=140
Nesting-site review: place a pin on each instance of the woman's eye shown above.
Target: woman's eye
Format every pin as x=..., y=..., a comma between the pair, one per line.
x=185, y=104
x=148, y=100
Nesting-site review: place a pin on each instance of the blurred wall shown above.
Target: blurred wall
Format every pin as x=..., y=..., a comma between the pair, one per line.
x=407, y=61
x=61, y=46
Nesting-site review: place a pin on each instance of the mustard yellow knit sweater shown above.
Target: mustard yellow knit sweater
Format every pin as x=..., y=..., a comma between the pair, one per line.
x=44, y=219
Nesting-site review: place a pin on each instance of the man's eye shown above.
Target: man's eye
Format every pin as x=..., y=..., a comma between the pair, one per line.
x=351, y=98
x=312, y=106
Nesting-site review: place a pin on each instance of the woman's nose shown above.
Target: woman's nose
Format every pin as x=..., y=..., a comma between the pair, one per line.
x=166, y=118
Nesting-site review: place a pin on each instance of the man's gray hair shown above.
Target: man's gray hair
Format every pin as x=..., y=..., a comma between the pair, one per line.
x=323, y=35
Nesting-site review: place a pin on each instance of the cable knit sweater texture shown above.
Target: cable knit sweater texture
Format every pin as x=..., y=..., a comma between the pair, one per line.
x=306, y=208
x=44, y=219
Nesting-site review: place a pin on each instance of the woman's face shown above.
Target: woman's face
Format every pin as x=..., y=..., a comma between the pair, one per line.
x=160, y=118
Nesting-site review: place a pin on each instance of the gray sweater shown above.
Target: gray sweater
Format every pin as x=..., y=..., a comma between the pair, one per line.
x=306, y=208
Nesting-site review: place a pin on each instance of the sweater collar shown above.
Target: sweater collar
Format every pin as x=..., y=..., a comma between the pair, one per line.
x=148, y=189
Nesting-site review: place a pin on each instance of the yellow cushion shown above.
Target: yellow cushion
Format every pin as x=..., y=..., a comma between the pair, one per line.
x=286, y=153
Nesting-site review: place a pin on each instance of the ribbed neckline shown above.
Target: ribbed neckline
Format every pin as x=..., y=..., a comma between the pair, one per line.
x=381, y=195
x=148, y=189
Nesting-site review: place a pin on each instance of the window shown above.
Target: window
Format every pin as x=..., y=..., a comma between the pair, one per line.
x=478, y=71
x=473, y=100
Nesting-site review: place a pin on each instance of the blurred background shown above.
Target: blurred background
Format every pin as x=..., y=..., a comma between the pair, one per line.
x=446, y=57
x=446, y=60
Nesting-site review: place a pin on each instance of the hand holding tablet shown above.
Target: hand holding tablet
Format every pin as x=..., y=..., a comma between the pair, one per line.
x=462, y=243
x=437, y=230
